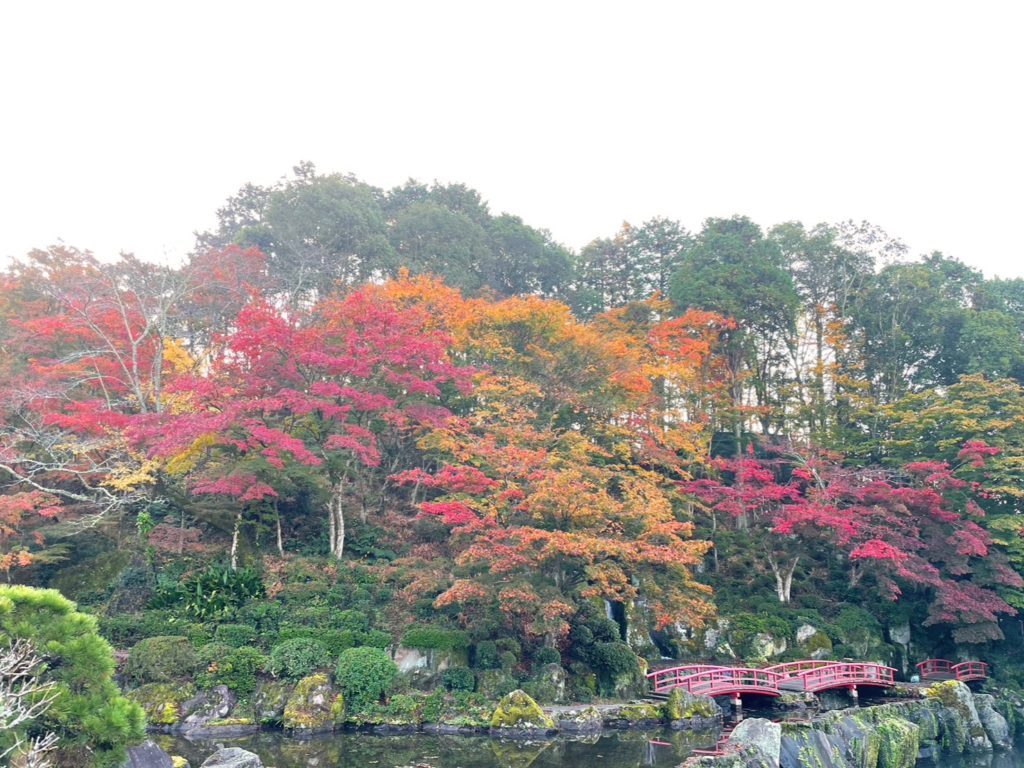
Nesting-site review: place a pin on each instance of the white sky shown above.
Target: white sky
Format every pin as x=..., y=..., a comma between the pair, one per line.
x=124, y=127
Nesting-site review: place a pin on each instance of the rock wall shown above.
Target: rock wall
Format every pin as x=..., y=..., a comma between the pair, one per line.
x=948, y=718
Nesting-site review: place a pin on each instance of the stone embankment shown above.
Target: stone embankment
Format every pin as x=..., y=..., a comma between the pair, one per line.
x=946, y=718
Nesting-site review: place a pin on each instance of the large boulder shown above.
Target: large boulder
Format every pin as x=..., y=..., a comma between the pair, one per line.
x=898, y=743
x=205, y=707
x=958, y=699
x=313, y=707
x=633, y=715
x=995, y=725
x=232, y=757
x=269, y=701
x=766, y=646
x=162, y=703
x=147, y=755
x=518, y=714
x=548, y=683
x=580, y=720
x=761, y=735
x=683, y=705
x=812, y=642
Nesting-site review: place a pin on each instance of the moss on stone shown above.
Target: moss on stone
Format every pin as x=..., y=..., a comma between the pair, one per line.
x=636, y=713
x=229, y=721
x=177, y=761
x=161, y=701
x=683, y=705
x=518, y=710
x=313, y=705
x=899, y=741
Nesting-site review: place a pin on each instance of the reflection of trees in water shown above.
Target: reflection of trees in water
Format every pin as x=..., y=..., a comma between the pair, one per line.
x=622, y=749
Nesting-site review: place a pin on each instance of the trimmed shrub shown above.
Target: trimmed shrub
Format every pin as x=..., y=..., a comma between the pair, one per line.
x=458, y=679
x=435, y=638
x=238, y=669
x=363, y=674
x=486, y=655
x=161, y=660
x=294, y=659
x=352, y=620
x=547, y=655
x=613, y=659
x=236, y=635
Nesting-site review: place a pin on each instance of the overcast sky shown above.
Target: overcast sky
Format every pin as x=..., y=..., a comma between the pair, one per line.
x=125, y=128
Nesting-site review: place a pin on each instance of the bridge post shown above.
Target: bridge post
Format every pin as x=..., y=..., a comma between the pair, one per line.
x=737, y=706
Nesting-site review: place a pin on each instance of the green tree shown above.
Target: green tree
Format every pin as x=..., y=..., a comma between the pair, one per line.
x=631, y=266
x=827, y=274
x=908, y=322
x=93, y=722
x=733, y=269
x=317, y=231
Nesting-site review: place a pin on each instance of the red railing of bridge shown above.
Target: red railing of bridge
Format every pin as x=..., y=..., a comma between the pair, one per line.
x=791, y=668
x=721, y=681
x=667, y=679
x=846, y=675
x=942, y=669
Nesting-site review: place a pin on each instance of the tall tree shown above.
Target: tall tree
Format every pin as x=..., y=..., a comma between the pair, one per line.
x=734, y=270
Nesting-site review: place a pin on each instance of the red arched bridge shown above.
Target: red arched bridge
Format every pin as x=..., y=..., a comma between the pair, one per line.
x=941, y=669
x=804, y=676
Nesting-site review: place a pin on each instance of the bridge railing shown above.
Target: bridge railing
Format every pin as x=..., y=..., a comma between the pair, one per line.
x=715, y=682
x=965, y=671
x=935, y=666
x=793, y=668
x=971, y=670
x=666, y=679
x=837, y=675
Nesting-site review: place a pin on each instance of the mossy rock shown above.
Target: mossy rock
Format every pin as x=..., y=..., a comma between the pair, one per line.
x=177, y=761
x=518, y=711
x=638, y=713
x=683, y=705
x=270, y=699
x=162, y=701
x=899, y=742
x=314, y=706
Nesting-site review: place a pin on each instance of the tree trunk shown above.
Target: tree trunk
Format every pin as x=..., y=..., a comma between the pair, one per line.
x=280, y=537
x=337, y=519
x=783, y=581
x=234, y=540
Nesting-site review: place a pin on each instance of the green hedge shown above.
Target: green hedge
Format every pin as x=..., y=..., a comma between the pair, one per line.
x=435, y=638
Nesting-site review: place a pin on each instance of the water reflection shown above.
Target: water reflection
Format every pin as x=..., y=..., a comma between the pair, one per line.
x=1014, y=759
x=625, y=749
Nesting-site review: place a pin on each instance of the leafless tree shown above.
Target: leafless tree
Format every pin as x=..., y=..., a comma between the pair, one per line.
x=23, y=698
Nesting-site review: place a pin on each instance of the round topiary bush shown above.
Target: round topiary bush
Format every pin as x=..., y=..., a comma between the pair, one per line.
x=613, y=659
x=363, y=674
x=161, y=659
x=547, y=655
x=485, y=655
x=235, y=635
x=458, y=679
x=237, y=668
x=294, y=659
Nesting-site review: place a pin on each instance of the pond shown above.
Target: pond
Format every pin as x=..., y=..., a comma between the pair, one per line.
x=622, y=749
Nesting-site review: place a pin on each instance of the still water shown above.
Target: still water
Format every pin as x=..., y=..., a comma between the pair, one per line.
x=626, y=749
